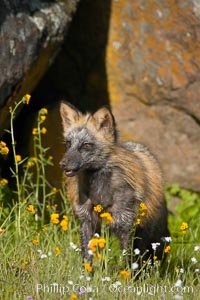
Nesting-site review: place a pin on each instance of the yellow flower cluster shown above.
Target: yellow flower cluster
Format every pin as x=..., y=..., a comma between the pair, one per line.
x=167, y=249
x=88, y=267
x=55, y=218
x=107, y=216
x=96, y=242
x=31, y=209
x=26, y=99
x=3, y=181
x=125, y=274
x=57, y=250
x=184, y=227
x=98, y=208
x=64, y=223
x=143, y=208
x=4, y=150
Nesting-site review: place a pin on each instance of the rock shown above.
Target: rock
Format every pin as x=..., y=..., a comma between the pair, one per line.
x=30, y=35
x=153, y=61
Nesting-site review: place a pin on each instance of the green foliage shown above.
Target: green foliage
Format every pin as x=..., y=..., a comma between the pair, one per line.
x=40, y=249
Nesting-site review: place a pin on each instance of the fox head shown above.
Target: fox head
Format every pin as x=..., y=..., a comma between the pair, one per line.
x=89, y=138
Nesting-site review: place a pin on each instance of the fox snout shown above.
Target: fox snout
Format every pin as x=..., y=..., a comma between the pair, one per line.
x=71, y=163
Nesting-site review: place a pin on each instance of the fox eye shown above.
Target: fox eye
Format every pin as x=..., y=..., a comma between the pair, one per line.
x=67, y=145
x=86, y=146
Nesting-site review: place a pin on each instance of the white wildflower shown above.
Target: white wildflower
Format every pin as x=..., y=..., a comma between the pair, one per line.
x=194, y=260
x=196, y=248
x=155, y=245
x=137, y=251
x=134, y=266
x=42, y=256
x=178, y=283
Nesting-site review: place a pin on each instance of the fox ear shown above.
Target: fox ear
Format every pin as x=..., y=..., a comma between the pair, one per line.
x=69, y=114
x=104, y=120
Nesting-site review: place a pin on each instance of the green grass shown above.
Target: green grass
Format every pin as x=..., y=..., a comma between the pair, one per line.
x=40, y=259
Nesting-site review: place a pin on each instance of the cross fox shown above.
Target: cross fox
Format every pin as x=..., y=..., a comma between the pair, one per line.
x=121, y=177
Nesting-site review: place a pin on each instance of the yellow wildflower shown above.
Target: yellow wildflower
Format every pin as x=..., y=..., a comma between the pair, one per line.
x=42, y=118
x=64, y=223
x=4, y=150
x=88, y=267
x=124, y=274
x=3, y=181
x=98, y=208
x=167, y=249
x=10, y=109
x=26, y=98
x=30, y=163
x=57, y=250
x=93, y=244
x=34, y=159
x=143, y=208
x=35, y=241
x=24, y=264
x=184, y=226
x=138, y=221
x=54, y=190
x=34, y=131
x=108, y=217
x=101, y=243
x=55, y=218
x=73, y=297
x=31, y=209
x=155, y=258
x=43, y=130
x=44, y=111
x=18, y=158
x=50, y=157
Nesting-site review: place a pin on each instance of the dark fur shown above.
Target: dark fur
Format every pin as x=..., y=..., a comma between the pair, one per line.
x=100, y=170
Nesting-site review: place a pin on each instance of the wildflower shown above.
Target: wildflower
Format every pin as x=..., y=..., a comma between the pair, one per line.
x=18, y=158
x=26, y=99
x=167, y=249
x=29, y=298
x=4, y=150
x=43, y=255
x=73, y=297
x=34, y=159
x=55, y=218
x=155, y=257
x=57, y=250
x=194, y=260
x=107, y=278
x=64, y=223
x=30, y=163
x=24, y=264
x=48, y=207
x=35, y=241
x=31, y=209
x=181, y=270
x=183, y=227
x=124, y=274
x=196, y=248
x=34, y=131
x=42, y=118
x=178, y=297
x=101, y=243
x=88, y=267
x=10, y=109
x=155, y=245
x=3, y=181
x=43, y=111
x=107, y=216
x=178, y=283
x=134, y=266
x=43, y=130
x=98, y=208
x=93, y=244
x=96, y=235
x=50, y=157
x=138, y=221
x=143, y=208
x=137, y=251
x=54, y=190
x=196, y=270
x=167, y=239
